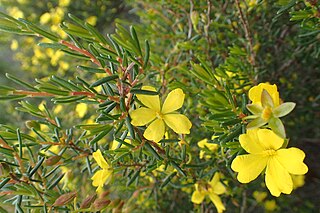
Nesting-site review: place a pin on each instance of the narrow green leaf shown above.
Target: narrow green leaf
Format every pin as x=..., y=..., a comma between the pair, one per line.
x=133, y=178
x=130, y=127
x=20, y=143
x=104, y=80
x=55, y=182
x=143, y=92
x=36, y=167
x=101, y=135
x=40, y=31
x=175, y=165
x=91, y=69
x=4, y=182
x=24, y=84
x=153, y=152
x=135, y=39
x=167, y=179
x=95, y=33
x=146, y=54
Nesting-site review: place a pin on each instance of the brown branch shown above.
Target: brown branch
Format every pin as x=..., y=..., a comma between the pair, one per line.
x=248, y=36
x=33, y=94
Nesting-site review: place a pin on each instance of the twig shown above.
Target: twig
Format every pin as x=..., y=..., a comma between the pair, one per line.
x=244, y=21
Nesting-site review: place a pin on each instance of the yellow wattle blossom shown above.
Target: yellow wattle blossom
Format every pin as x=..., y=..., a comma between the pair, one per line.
x=211, y=189
x=256, y=92
x=298, y=181
x=104, y=174
x=259, y=196
x=159, y=116
x=204, y=144
x=92, y=20
x=265, y=153
x=64, y=3
x=14, y=45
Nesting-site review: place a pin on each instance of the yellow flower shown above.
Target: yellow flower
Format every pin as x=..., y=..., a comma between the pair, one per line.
x=211, y=189
x=81, y=109
x=256, y=92
x=265, y=152
x=103, y=175
x=298, y=180
x=270, y=205
x=259, y=196
x=205, y=145
x=158, y=116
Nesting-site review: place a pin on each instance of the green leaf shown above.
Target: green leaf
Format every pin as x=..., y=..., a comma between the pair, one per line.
x=277, y=127
x=143, y=92
x=18, y=81
x=104, y=80
x=254, y=108
x=283, y=109
x=101, y=135
x=167, y=179
x=256, y=123
x=91, y=69
x=266, y=99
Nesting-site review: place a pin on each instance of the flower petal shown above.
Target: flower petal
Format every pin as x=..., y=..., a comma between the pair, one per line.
x=292, y=160
x=100, y=178
x=155, y=131
x=249, y=166
x=216, y=186
x=179, y=123
x=269, y=140
x=256, y=91
x=217, y=202
x=278, y=179
x=250, y=142
x=100, y=159
x=197, y=197
x=150, y=101
x=142, y=116
x=173, y=101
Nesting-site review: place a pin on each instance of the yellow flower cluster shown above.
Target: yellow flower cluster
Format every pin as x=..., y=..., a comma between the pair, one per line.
x=265, y=148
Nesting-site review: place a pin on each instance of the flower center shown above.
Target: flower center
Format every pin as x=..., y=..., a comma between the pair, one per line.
x=159, y=115
x=270, y=152
x=266, y=113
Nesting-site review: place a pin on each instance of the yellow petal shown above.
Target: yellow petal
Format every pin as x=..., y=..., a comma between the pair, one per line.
x=178, y=123
x=250, y=142
x=278, y=180
x=269, y=140
x=202, y=143
x=256, y=91
x=142, y=116
x=100, y=178
x=249, y=166
x=100, y=160
x=197, y=197
x=292, y=160
x=217, y=202
x=173, y=101
x=150, y=101
x=155, y=131
x=216, y=186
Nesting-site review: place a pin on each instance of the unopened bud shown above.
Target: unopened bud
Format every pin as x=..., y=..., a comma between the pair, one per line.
x=86, y=203
x=100, y=204
x=52, y=160
x=65, y=199
x=4, y=169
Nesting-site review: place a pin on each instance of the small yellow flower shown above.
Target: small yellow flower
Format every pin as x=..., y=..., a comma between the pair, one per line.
x=259, y=196
x=103, y=175
x=298, y=181
x=265, y=152
x=270, y=205
x=158, y=116
x=81, y=109
x=205, y=145
x=211, y=189
x=256, y=92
